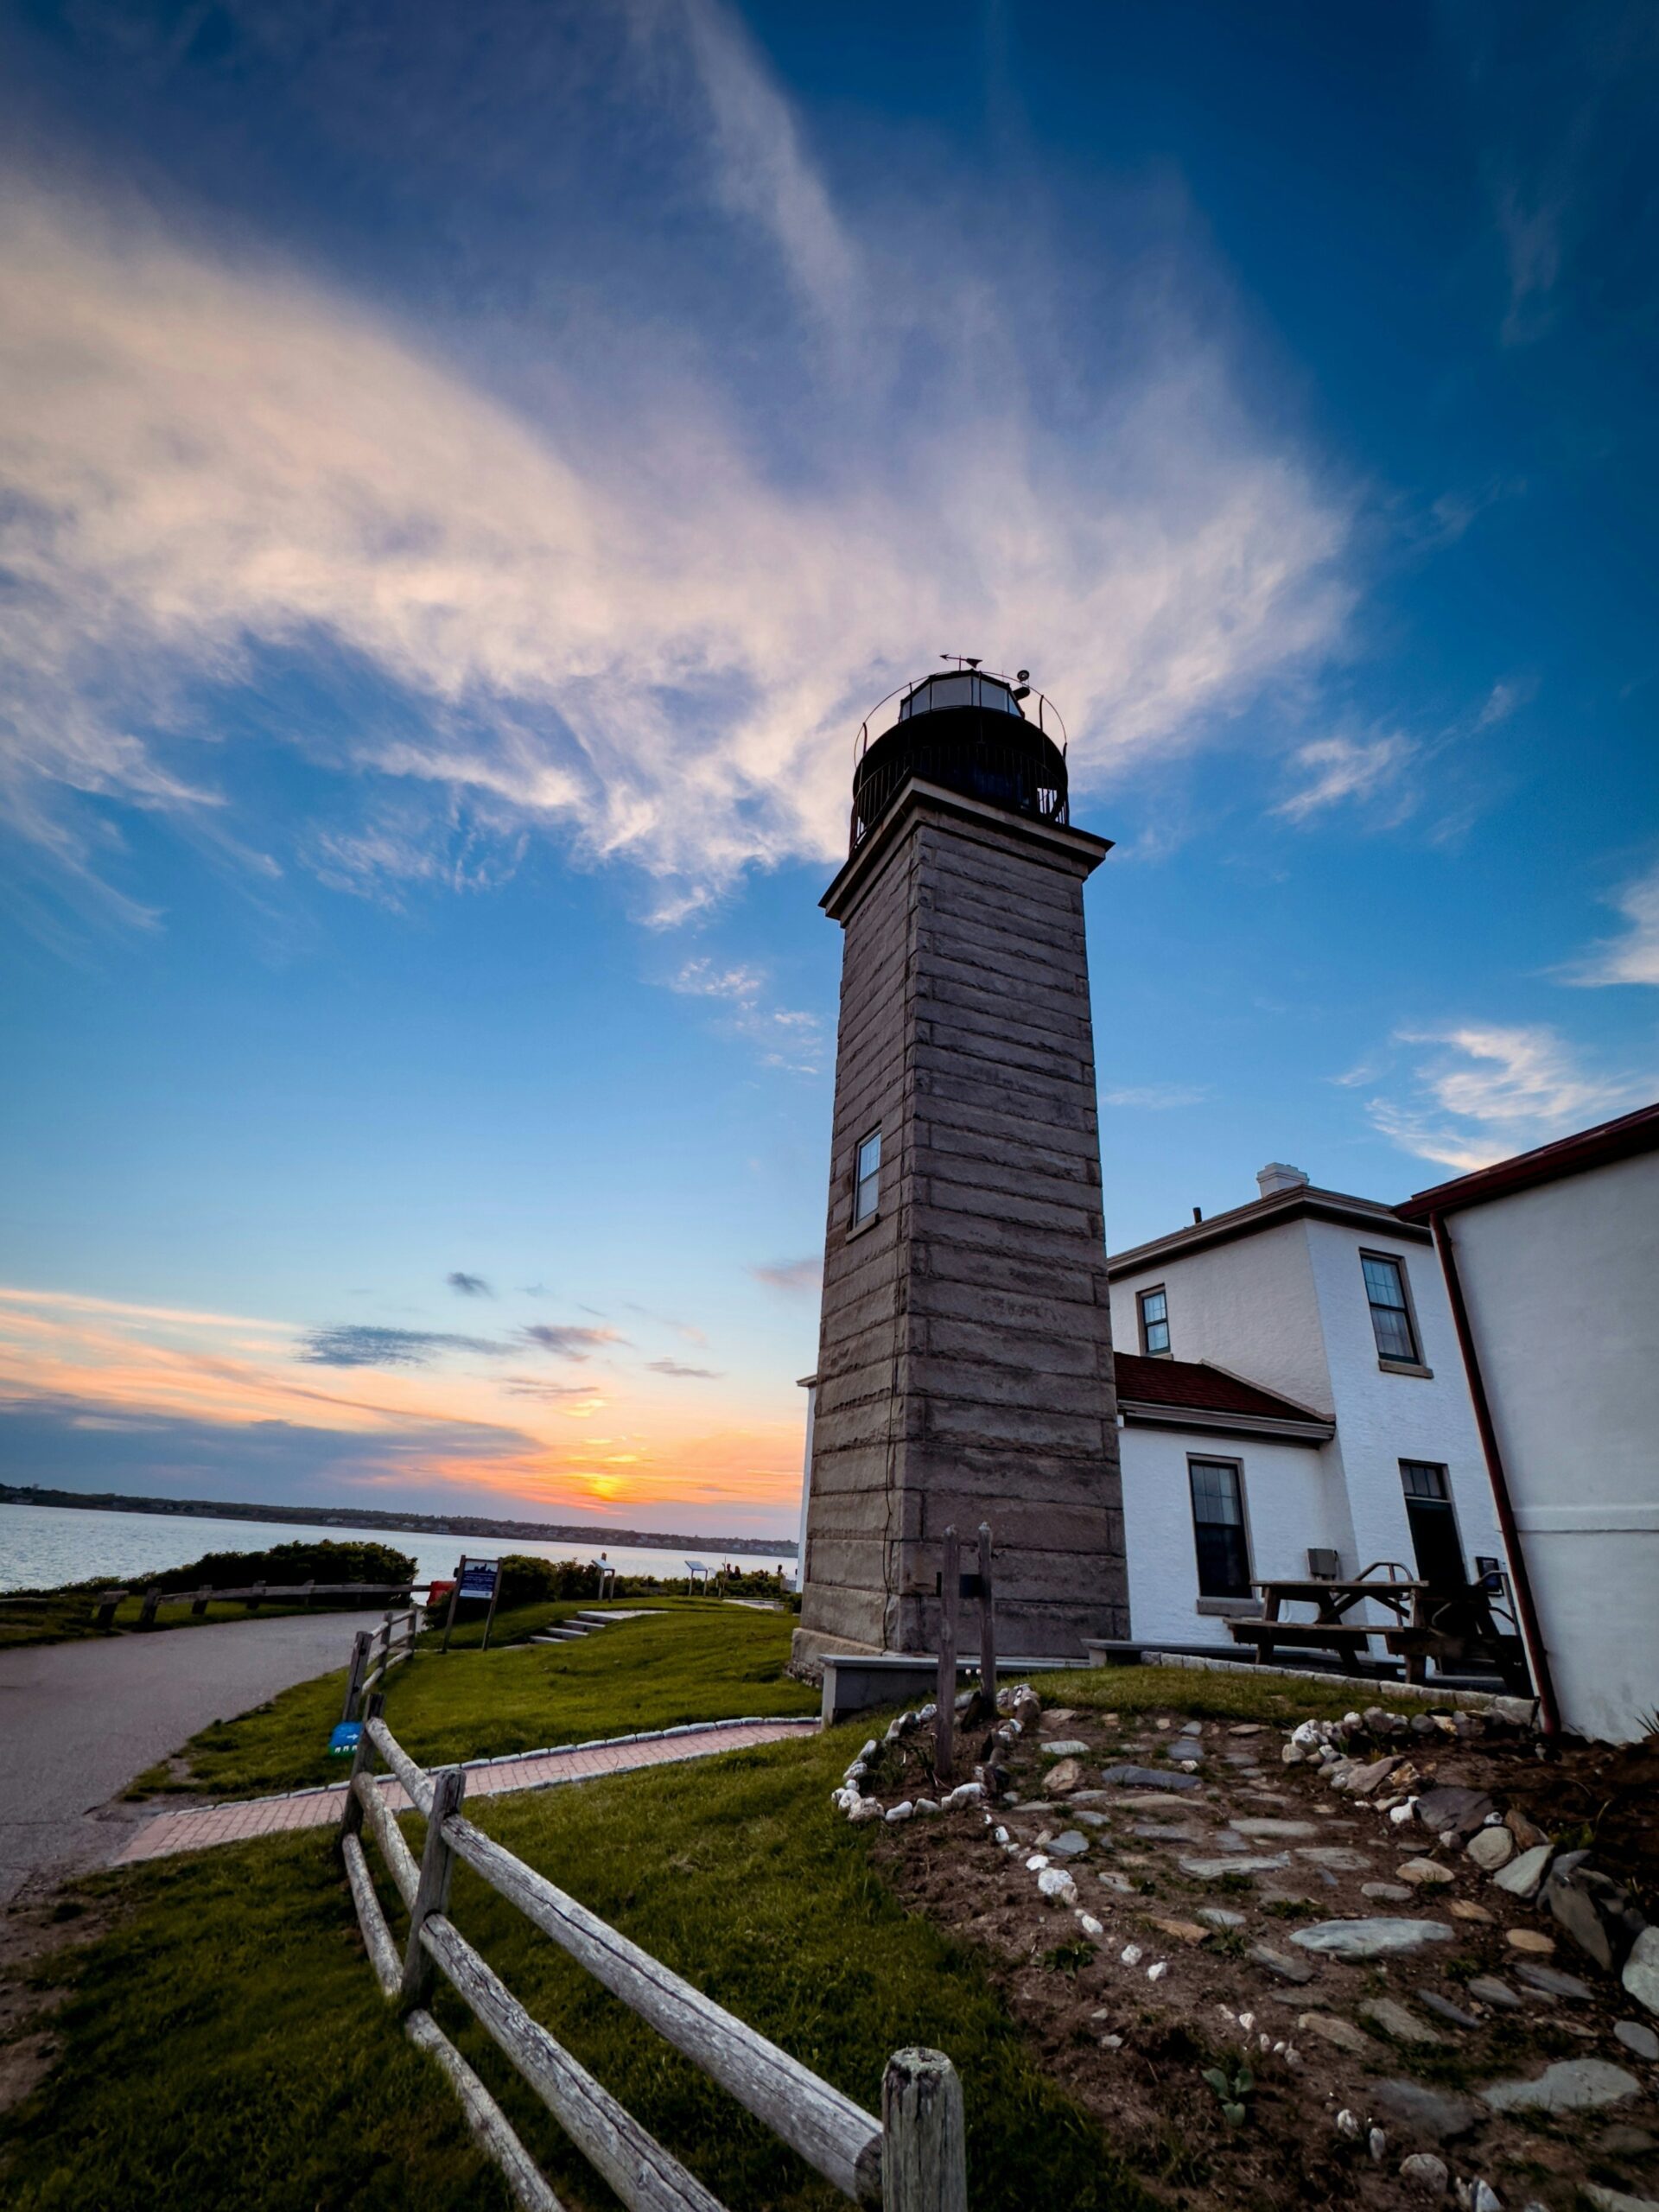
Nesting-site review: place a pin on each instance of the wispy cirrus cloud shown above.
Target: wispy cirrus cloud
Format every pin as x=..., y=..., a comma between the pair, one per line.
x=795, y=1278
x=681, y=1373
x=567, y=1342
x=465, y=1286
x=1156, y=1097
x=1633, y=956
x=360, y=1344
x=1346, y=771
x=789, y=1038
x=1486, y=1091
x=630, y=622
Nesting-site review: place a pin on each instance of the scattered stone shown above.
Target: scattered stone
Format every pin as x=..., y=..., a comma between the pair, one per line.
x=1386, y=1893
x=1369, y=1939
x=902, y=1812
x=1641, y=1974
x=1089, y=1925
x=1595, y=1912
x=1486, y=1989
x=1121, y=1882
x=1550, y=1981
x=1438, y=2113
x=1513, y=1711
x=1334, y=1855
x=1424, y=1872
x=1154, y=1833
x=1275, y=1828
x=965, y=1793
x=1636, y=2036
x=1069, y=1845
x=1423, y=2171
x=1276, y=1962
x=1213, y=1870
x=1063, y=1777
x=1347, y=2125
x=1615, y=2200
x=1065, y=1747
x=1396, y=2021
x=1463, y=1909
x=1491, y=1848
x=1057, y=1885
x=1570, y=2085
x=1329, y=2027
x=1247, y=1728
x=1377, y=2144
x=1527, y=1834
x=1131, y=1954
x=1192, y=1727
x=1521, y=1876
x=1480, y=2196
x=924, y=1808
x=1363, y=1781
x=1182, y=1931
x=1218, y=1916
x=1157, y=1971
x=1463, y=1811
x=1528, y=1939
x=1446, y=2009
x=1147, y=1777
x=1625, y=2142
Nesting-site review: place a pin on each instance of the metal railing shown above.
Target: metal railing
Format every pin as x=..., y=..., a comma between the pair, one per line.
x=910, y=2160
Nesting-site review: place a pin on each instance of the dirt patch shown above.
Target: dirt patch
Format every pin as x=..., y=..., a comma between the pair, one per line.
x=1310, y=2052
x=30, y=1934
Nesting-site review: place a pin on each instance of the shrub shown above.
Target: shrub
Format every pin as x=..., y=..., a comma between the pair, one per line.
x=527, y=1580
x=284, y=1565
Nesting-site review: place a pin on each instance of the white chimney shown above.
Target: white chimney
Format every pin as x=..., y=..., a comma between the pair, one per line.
x=1276, y=1177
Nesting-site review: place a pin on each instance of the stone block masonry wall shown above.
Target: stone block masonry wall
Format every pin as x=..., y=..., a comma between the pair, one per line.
x=965, y=1355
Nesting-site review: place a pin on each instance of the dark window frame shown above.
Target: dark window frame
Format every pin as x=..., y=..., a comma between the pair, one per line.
x=1213, y=1567
x=1148, y=1349
x=1406, y=1310
x=868, y=1179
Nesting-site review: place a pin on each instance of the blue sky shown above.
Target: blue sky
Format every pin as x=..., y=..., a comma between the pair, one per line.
x=464, y=476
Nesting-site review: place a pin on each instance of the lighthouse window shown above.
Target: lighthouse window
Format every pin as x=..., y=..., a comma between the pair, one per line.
x=867, y=1178
x=1154, y=1321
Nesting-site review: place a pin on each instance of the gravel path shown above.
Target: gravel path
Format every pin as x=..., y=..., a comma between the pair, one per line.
x=77, y=1722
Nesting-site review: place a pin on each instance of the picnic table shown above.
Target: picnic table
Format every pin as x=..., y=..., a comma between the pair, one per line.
x=1333, y=1598
x=1446, y=1625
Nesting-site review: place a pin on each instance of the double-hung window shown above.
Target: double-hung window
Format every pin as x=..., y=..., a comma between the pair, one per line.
x=1155, y=1320
x=1385, y=1286
x=1218, y=1529
x=867, y=1178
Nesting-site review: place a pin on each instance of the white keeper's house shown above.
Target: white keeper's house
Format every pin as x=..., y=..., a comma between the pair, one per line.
x=1289, y=1384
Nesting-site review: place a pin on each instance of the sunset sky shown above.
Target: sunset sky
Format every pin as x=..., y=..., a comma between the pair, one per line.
x=466, y=470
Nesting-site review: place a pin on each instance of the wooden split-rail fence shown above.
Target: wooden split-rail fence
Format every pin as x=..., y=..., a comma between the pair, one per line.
x=910, y=2160
x=256, y=1594
x=374, y=1654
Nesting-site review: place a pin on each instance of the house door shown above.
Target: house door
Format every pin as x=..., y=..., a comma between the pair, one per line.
x=1434, y=1526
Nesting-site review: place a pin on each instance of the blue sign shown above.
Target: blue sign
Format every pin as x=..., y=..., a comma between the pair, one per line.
x=478, y=1581
x=344, y=1740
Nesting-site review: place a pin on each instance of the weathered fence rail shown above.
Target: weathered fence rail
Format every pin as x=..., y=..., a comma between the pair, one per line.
x=910, y=2160
x=374, y=1654
x=256, y=1594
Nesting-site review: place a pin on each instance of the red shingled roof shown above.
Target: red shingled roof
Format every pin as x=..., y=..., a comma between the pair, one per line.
x=1189, y=1382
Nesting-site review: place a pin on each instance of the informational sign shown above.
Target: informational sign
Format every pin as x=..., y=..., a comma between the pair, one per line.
x=479, y=1580
x=344, y=1740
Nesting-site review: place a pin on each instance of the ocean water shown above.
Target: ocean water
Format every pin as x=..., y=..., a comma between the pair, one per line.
x=41, y=1546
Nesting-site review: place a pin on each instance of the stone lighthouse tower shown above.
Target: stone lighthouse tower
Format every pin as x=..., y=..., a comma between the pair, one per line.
x=965, y=1355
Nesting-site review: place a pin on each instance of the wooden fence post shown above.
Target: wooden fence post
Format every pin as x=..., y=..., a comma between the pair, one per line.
x=945, y=1724
x=437, y=1866
x=354, y=1672
x=147, y=1611
x=454, y=1599
x=987, y=1622
x=489, y=1617
x=924, y=2153
x=104, y=1617
x=351, y=1819
x=255, y=1596
x=200, y=1603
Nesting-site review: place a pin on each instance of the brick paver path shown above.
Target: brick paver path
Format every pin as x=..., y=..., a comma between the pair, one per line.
x=195, y=1831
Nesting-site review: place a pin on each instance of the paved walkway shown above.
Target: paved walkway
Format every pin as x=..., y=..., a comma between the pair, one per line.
x=77, y=1722
x=313, y=1808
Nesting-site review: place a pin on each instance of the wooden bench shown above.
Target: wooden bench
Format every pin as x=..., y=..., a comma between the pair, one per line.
x=1349, y=1643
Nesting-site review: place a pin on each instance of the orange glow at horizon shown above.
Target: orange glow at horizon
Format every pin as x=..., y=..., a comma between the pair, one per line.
x=112, y=1363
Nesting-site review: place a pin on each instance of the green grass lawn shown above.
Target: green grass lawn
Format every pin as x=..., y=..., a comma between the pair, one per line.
x=226, y=2043
x=691, y=1662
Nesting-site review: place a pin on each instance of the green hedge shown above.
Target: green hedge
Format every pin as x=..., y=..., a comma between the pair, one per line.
x=283, y=1565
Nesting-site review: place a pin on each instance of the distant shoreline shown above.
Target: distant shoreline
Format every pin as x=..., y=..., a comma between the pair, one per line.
x=413, y=1524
